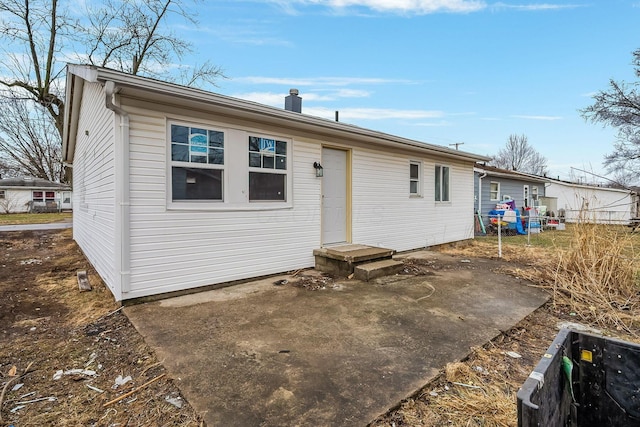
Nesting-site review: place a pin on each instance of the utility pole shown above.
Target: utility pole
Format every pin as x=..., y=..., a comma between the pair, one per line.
x=457, y=144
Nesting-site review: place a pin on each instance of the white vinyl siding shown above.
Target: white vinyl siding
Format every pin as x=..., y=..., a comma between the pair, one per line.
x=180, y=249
x=94, y=185
x=15, y=201
x=174, y=249
x=605, y=205
x=381, y=209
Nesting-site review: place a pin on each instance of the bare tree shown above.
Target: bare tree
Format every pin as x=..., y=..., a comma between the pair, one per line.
x=29, y=141
x=519, y=156
x=619, y=106
x=130, y=36
x=125, y=35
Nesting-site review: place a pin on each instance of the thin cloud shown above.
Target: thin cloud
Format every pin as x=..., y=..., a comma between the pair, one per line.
x=277, y=99
x=372, y=113
x=535, y=6
x=528, y=117
x=418, y=7
x=318, y=81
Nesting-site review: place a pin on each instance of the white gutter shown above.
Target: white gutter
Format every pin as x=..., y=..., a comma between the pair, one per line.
x=123, y=205
x=96, y=74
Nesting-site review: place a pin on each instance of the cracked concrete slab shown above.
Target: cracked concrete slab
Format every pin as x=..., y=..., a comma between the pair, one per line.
x=257, y=354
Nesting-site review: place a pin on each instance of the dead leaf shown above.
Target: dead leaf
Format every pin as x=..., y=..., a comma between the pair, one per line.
x=13, y=371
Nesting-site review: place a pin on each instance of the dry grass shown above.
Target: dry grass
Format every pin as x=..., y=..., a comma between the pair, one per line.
x=592, y=270
x=598, y=277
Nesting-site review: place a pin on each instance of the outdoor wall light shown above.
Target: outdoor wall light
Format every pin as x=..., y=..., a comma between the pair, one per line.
x=318, y=167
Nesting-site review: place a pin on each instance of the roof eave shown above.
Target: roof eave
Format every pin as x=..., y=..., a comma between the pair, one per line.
x=96, y=74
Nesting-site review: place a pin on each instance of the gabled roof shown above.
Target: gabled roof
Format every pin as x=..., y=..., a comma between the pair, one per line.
x=505, y=173
x=147, y=88
x=32, y=183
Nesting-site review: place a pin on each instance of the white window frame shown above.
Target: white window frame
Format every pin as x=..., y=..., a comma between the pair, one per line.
x=534, y=193
x=235, y=191
x=3, y=195
x=495, y=198
x=275, y=170
x=441, y=183
x=39, y=199
x=417, y=180
x=525, y=195
x=194, y=165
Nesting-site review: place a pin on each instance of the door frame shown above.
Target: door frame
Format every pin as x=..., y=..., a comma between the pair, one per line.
x=348, y=208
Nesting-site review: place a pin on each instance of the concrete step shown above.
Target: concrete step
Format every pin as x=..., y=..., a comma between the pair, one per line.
x=341, y=260
x=371, y=270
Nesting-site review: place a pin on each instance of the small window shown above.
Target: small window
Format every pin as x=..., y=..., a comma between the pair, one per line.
x=534, y=192
x=494, y=191
x=267, y=169
x=525, y=196
x=38, y=196
x=442, y=183
x=415, y=178
x=2, y=195
x=50, y=196
x=197, y=163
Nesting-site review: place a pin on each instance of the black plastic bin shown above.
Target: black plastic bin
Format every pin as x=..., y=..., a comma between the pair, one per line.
x=605, y=378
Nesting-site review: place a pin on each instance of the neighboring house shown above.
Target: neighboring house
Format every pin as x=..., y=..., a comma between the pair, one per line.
x=590, y=203
x=178, y=188
x=495, y=186
x=19, y=195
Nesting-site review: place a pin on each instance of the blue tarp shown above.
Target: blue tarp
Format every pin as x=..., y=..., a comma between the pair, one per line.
x=517, y=225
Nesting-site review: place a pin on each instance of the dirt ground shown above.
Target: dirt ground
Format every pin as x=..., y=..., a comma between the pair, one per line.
x=80, y=351
x=66, y=355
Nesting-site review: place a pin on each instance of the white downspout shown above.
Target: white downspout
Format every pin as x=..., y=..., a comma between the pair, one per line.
x=122, y=171
x=480, y=193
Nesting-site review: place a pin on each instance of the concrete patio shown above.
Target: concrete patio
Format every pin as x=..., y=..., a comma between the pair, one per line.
x=258, y=354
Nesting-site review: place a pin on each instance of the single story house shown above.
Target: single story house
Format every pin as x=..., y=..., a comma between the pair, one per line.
x=178, y=188
x=495, y=186
x=591, y=203
x=20, y=195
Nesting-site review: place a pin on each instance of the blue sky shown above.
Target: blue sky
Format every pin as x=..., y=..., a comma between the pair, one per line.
x=438, y=71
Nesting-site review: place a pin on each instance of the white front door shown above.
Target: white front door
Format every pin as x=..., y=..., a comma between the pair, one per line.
x=66, y=200
x=334, y=196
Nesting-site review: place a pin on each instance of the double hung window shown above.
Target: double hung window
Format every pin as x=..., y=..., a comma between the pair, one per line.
x=494, y=191
x=415, y=178
x=197, y=163
x=267, y=169
x=442, y=184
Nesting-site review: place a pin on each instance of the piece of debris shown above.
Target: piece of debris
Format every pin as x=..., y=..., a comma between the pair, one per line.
x=48, y=398
x=92, y=359
x=90, y=387
x=87, y=372
x=281, y=282
x=433, y=393
x=83, y=281
x=465, y=260
x=31, y=261
x=17, y=387
x=121, y=381
x=175, y=401
x=513, y=354
x=17, y=408
x=124, y=396
x=13, y=371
